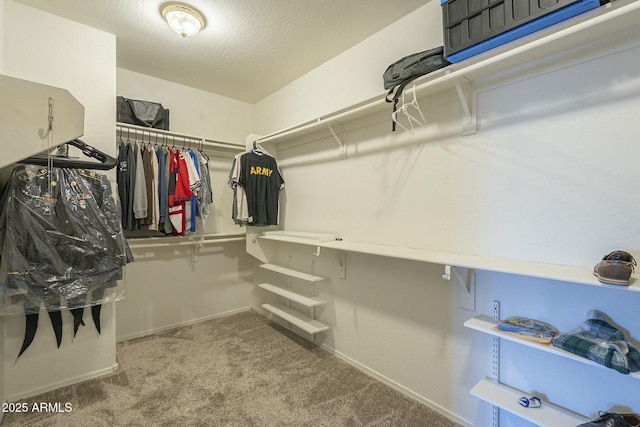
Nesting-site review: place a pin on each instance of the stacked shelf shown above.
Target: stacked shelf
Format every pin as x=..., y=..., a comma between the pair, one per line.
x=292, y=296
x=292, y=273
x=304, y=322
x=507, y=397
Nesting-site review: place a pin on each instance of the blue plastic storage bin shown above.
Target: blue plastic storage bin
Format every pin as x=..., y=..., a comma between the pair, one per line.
x=475, y=26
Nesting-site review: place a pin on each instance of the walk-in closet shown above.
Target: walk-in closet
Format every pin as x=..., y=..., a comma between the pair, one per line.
x=339, y=259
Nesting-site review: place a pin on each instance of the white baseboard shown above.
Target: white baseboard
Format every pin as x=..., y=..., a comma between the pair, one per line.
x=67, y=381
x=180, y=325
x=399, y=387
x=388, y=381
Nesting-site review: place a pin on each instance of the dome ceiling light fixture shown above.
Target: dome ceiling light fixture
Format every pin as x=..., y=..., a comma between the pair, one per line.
x=183, y=19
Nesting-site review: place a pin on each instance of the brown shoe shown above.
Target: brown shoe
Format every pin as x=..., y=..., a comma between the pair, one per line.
x=632, y=419
x=615, y=268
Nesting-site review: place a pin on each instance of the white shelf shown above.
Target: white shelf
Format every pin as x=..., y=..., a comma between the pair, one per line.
x=488, y=325
x=303, y=322
x=298, y=237
x=506, y=398
x=612, y=18
x=293, y=296
x=563, y=273
x=25, y=111
x=292, y=273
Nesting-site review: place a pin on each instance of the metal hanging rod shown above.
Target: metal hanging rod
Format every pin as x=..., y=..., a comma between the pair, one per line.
x=206, y=142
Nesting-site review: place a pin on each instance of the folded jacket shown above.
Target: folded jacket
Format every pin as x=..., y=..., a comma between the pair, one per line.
x=597, y=340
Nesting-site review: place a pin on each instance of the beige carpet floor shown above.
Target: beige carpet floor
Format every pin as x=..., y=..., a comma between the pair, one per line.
x=239, y=370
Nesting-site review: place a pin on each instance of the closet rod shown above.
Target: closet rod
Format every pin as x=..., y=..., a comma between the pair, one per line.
x=171, y=241
x=189, y=243
x=141, y=130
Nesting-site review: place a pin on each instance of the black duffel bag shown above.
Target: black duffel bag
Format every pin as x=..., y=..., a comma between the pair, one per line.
x=402, y=72
x=142, y=113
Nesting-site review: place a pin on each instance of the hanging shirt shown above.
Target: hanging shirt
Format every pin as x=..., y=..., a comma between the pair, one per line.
x=123, y=178
x=261, y=180
x=140, y=189
x=162, y=187
x=194, y=201
x=239, y=212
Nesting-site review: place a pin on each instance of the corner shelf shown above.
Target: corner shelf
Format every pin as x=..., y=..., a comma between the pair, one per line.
x=488, y=325
x=293, y=296
x=307, y=323
x=292, y=273
x=303, y=322
x=507, y=397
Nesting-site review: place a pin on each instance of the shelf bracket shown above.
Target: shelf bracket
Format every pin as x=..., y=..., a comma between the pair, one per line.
x=342, y=147
x=464, y=282
x=463, y=89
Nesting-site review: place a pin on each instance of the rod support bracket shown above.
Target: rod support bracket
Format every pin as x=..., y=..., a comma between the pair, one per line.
x=342, y=146
x=464, y=90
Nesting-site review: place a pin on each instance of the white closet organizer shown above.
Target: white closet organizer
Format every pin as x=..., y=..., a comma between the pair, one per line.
x=507, y=397
x=160, y=136
x=563, y=273
x=607, y=20
x=294, y=317
x=497, y=394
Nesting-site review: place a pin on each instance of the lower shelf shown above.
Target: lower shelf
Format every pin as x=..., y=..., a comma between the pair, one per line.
x=507, y=397
x=303, y=322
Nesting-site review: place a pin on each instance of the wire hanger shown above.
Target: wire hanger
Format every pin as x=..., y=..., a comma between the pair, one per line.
x=406, y=109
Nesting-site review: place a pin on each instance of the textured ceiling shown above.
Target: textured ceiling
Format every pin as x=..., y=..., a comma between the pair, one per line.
x=249, y=48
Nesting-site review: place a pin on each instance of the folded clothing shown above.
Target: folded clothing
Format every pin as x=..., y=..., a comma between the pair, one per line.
x=529, y=329
x=599, y=341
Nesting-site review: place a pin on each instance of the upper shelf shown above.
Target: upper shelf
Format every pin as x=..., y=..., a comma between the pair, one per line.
x=28, y=110
x=612, y=18
x=489, y=326
x=564, y=273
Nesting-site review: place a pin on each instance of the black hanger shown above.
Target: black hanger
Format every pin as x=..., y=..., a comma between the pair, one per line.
x=106, y=161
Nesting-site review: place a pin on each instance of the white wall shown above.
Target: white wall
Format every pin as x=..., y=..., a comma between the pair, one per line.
x=165, y=287
x=192, y=111
x=47, y=49
x=352, y=76
x=547, y=178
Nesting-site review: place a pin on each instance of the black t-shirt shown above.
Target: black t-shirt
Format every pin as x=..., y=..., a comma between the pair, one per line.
x=262, y=182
